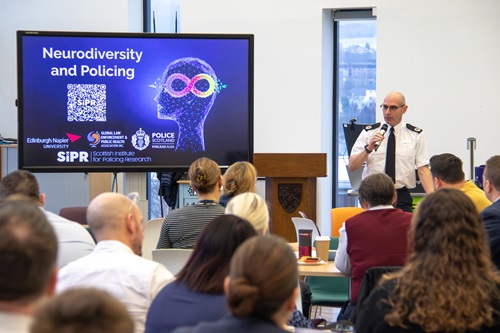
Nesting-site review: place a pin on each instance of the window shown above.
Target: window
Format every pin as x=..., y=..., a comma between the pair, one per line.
x=355, y=90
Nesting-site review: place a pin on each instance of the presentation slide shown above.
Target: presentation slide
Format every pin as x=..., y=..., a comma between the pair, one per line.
x=123, y=101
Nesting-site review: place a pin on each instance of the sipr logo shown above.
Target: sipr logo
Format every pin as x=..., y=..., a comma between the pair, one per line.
x=93, y=138
x=140, y=140
x=72, y=156
x=86, y=102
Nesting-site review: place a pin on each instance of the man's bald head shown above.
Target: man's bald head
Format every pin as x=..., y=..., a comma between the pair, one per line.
x=398, y=96
x=113, y=216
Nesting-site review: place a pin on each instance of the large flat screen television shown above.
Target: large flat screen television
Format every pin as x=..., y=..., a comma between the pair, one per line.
x=115, y=102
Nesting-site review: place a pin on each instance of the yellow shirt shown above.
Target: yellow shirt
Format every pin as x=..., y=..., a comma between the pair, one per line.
x=476, y=195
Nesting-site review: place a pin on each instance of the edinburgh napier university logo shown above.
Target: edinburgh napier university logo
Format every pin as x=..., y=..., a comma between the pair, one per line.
x=289, y=196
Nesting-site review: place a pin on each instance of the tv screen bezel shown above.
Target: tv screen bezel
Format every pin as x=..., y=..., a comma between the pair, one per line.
x=116, y=168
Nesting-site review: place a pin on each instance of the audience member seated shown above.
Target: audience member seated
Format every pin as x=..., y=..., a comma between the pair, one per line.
x=82, y=311
x=182, y=226
x=116, y=265
x=253, y=208
x=261, y=289
x=240, y=177
x=491, y=214
x=449, y=283
x=28, y=252
x=375, y=237
x=446, y=170
x=198, y=292
x=74, y=240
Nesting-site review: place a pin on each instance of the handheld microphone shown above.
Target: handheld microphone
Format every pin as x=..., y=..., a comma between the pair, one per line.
x=382, y=131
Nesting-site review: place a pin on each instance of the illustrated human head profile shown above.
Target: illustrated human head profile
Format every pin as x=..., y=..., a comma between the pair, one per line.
x=188, y=90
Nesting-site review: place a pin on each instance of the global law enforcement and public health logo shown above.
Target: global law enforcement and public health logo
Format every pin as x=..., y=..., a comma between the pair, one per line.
x=94, y=138
x=140, y=140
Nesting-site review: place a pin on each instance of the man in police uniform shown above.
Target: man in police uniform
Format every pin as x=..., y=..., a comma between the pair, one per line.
x=410, y=151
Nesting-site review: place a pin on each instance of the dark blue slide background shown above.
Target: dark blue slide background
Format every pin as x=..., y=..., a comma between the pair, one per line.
x=130, y=104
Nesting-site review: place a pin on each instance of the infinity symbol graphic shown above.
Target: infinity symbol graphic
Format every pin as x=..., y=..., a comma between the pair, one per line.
x=189, y=85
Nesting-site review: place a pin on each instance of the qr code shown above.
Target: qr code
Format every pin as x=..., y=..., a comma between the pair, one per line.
x=86, y=102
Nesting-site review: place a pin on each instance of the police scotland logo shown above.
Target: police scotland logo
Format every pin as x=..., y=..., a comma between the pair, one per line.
x=140, y=140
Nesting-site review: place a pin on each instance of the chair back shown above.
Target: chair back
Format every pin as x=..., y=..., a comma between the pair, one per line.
x=76, y=213
x=173, y=259
x=152, y=231
x=339, y=215
x=303, y=223
x=328, y=291
x=370, y=280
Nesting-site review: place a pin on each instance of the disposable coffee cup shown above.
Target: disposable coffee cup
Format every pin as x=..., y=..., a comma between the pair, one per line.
x=322, y=244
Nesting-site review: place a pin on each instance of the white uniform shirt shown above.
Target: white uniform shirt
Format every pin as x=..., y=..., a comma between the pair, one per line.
x=74, y=241
x=411, y=153
x=114, y=268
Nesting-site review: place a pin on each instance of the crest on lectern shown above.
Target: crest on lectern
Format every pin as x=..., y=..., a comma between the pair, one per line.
x=289, y=196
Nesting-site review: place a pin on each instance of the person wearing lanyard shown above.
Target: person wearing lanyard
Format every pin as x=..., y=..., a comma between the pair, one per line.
x=397, y=153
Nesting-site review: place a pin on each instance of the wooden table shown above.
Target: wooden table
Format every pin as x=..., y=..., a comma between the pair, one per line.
x=327, y=269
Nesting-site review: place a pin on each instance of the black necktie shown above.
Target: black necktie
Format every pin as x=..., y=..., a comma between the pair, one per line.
x=390, y=159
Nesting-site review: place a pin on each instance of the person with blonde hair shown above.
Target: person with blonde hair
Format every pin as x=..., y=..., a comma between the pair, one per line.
x=182, y=226
x=261, y=289
x=449, y=283
x=239, y=178
x=82, y=310
x=251, y=207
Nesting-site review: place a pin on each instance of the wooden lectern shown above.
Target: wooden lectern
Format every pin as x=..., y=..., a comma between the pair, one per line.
x=290, y=187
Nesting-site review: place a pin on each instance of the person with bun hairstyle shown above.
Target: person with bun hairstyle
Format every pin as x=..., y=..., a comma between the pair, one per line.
x=253, y=208
x=449, y=283
x=182, y=226
x=239, y=178
x=198, y=292
x=261, y=289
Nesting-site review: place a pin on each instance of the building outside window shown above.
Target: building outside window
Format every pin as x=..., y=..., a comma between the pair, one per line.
x=355, y=101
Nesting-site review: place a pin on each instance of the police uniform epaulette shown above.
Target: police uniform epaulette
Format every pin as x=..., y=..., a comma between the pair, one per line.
x=370, y=127
x=413, y=128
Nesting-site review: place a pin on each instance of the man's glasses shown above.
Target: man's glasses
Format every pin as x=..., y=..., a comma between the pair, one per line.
x=391, y=107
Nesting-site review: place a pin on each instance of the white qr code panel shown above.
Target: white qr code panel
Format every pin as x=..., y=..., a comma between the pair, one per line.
x=86, y=102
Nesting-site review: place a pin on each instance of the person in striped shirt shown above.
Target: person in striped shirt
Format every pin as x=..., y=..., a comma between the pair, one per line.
x=182, y=226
